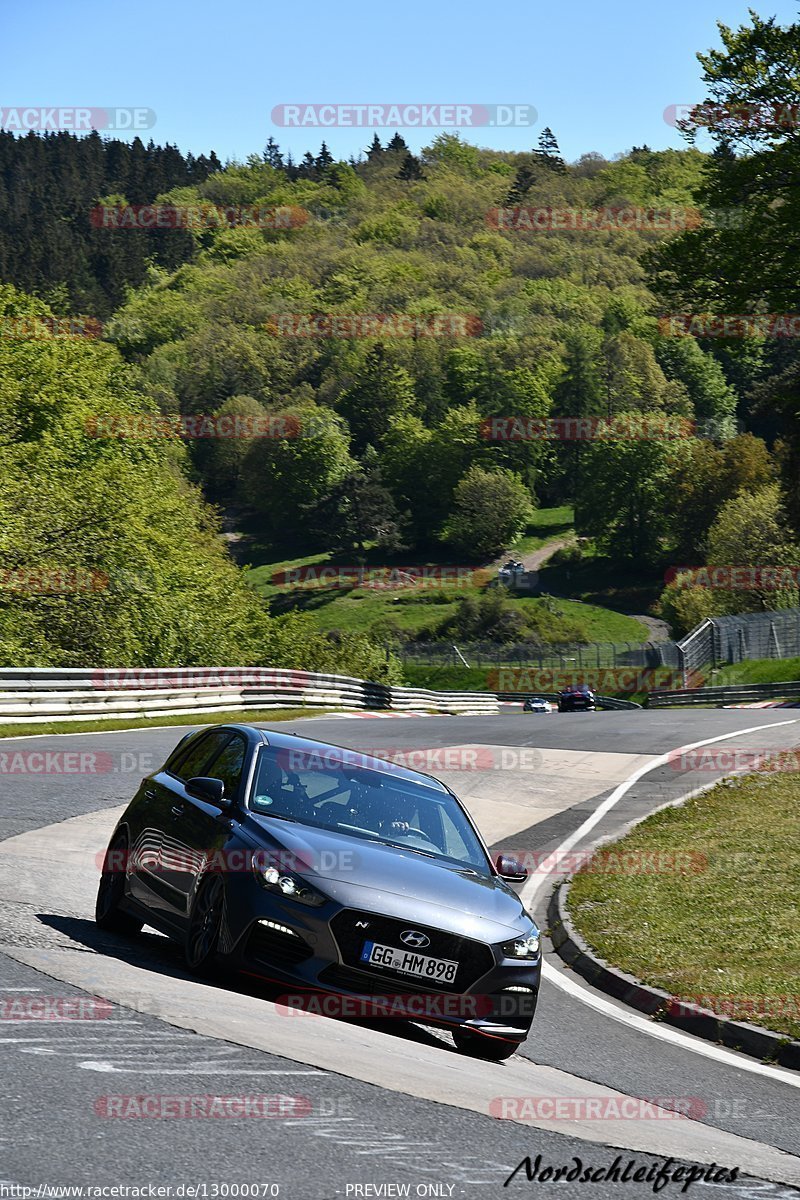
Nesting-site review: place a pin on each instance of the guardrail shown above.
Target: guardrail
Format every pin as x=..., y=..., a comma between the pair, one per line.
x=38, y=695
x=734, y=694
x=602, y=701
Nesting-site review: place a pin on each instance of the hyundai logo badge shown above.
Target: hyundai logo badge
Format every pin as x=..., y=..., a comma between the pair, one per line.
x=413, y=937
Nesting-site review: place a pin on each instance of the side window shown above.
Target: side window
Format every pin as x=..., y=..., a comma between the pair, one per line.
x=228, y=765
x=454, y=844
x=198, y=754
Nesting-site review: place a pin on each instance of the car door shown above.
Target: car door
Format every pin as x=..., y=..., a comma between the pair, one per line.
x=157, y=853
x=201, y=830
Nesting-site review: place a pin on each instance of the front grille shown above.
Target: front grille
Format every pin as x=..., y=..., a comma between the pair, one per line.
x=474, y=958
x=272, y=948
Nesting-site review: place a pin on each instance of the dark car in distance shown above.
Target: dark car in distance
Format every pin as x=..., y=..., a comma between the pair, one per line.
x=578, y=698
x=329, y=872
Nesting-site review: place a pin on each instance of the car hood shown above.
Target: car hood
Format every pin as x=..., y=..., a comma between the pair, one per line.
x=331, y=858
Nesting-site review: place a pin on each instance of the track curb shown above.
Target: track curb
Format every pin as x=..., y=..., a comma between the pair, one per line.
x=653, y=1002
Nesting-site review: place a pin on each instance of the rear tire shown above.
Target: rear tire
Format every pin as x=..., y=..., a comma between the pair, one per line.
x=479, y=1045
x=205, y=924
x=108, y=914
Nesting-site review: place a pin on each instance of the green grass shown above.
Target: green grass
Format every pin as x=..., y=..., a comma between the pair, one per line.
x=762, y=670
x=422, y=612
x=547, y=525
x=110, y=724
x=727, y=924
x=600, y=624
x=623, y=586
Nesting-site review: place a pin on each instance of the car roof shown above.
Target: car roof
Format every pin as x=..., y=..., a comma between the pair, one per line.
x=310, y=746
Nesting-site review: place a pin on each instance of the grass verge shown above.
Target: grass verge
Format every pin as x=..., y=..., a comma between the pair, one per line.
x=725, y=928
x=761, y=670
x=110, y=725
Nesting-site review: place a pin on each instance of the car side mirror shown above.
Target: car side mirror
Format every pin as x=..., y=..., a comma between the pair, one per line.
x=212, y=791
x=510, y=870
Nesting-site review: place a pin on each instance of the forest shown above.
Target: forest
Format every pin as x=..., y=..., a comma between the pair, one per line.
x=375, y=362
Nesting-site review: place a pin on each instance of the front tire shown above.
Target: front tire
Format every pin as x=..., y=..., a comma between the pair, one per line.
x=108, y=913
x=205, y=925
x=479, y=1045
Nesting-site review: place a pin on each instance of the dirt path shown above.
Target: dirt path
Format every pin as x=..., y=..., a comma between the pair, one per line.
x=534, y=560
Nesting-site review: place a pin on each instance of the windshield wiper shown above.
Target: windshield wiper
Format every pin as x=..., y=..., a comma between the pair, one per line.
x=404, y=846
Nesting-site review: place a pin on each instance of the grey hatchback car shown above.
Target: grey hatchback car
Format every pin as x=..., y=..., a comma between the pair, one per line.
x=332, y=873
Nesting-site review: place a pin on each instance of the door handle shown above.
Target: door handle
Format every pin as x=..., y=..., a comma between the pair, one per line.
x=149, y=794
x=177, y=810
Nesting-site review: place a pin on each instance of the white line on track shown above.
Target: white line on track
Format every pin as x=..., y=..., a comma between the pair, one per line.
x=623, y=1015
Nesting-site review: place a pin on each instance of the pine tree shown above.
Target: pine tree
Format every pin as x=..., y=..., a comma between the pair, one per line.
x=410, y=169
x=272, y=155
x=523, y=179
x=396, y=143
x=548, y=151
x=308, y=167
x=375, y=150
x=324, y=158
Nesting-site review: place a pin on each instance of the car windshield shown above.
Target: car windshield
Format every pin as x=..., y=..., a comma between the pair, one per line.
x=325, y=789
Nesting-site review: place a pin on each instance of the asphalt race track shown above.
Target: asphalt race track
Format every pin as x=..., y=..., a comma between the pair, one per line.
x=384, y=1108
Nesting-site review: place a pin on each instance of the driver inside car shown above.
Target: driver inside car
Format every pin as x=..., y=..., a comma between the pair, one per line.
x=290, y=798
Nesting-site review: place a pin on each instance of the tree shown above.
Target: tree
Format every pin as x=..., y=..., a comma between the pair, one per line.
x=285, y=478
x=705, y=479
x=324, y=158
x=523, y=180
x=359, y=510
x=713, y=399
x=273, y=156
x=375, y=150
x=222, y=458
x=548, y=151
x=490, y=510
x=622, y=499
x=752, y=530
x=381, y=392
x=410, y=169
x=397, y=144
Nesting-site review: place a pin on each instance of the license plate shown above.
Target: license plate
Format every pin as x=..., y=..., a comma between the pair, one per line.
x=439, y=970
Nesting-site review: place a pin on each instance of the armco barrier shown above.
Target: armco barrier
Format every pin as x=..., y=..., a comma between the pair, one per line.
x=719, y=696
x=602, y=701
x=38, y=695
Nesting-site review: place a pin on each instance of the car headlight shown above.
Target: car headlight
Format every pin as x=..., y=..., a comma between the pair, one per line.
x=288, y=885
x=526, y=946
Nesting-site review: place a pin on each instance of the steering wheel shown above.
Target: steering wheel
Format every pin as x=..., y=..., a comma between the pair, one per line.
x=409, y=833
